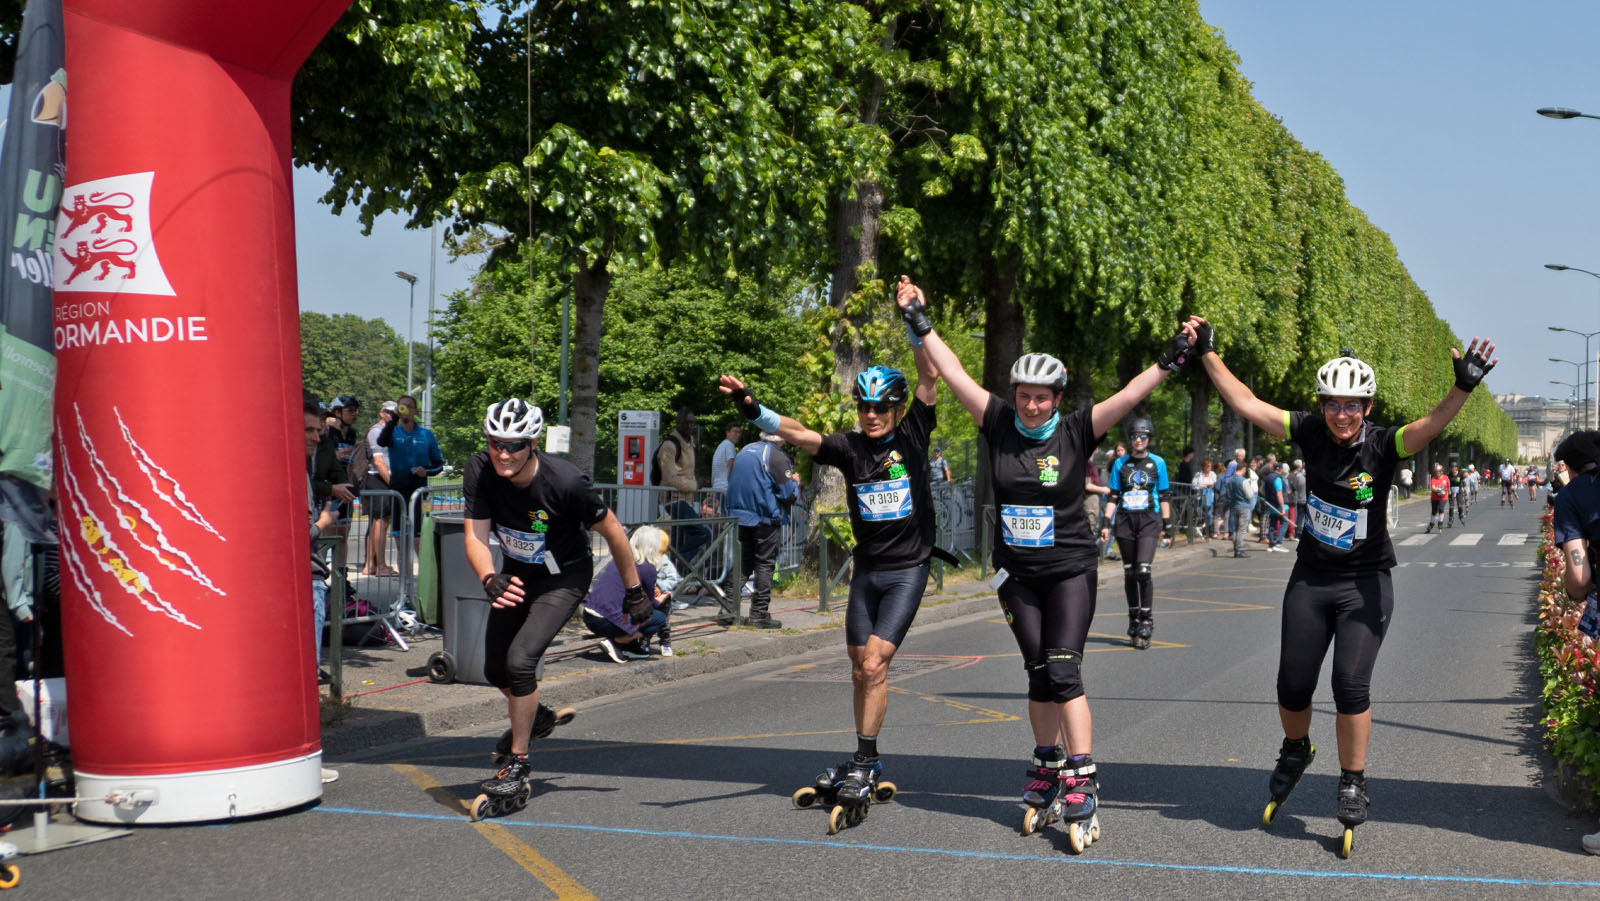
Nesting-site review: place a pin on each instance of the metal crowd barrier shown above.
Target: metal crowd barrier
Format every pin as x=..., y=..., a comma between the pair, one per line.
x=386, y=592
x=828, y=535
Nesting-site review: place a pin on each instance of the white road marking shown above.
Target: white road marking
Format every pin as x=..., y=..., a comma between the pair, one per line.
x=1417, y=540
x=1513, y=539
x=1467, y=540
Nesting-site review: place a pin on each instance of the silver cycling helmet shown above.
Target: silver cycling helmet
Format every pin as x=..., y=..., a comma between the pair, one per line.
x=1039, y=369
x=1346, y=376
x=513, y=419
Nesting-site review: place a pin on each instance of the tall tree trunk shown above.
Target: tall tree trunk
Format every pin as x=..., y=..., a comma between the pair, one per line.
x=1003, y=326
x=1200, y=419
x=857, y=222
x=590, y=286
x=1229, y=435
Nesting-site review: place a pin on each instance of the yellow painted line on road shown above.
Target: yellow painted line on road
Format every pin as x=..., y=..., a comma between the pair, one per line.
x=1215, y=606
x=985, y=714
x=553, y=877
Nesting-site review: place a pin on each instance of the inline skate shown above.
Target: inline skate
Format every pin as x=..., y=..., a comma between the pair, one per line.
x=507, y=792
x=1073, y=798
x=847, y=791
x=1293, y=758
x=1352, y=807
x=1147, y=628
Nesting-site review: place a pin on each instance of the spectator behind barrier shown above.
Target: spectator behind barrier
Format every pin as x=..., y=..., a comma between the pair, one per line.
x=413, y=454
x=379, y=510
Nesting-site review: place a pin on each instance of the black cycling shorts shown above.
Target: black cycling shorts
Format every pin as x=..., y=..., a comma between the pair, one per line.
x=1049, y=614
x=883, y=602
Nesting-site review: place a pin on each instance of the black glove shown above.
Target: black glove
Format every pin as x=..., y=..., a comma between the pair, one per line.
x=636, y=604
x=1166, y=528
x=1176, y=354
x=746, y=404
x=1202, y=340
x=495, y=584
x=1471, y=367
x=915, y=313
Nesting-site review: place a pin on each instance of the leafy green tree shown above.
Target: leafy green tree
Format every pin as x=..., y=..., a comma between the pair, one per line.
x=668, y=335
x=345, y=354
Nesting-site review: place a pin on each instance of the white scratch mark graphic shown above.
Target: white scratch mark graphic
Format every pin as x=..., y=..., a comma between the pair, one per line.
x=91, y=594
x=176, y=499
x=109, y=556
x=143, y=521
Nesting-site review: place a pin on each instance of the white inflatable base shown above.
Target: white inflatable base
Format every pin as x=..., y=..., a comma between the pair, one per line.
x=202, y=796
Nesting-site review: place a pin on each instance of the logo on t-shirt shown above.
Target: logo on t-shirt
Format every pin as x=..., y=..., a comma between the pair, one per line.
x=897, y=465
x=539, y=521
x=1048, y=469
x=1363, y=487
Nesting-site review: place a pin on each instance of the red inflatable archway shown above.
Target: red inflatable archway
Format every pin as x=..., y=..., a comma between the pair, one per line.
x=185, y=572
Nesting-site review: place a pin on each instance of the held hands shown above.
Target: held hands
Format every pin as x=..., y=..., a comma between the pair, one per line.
x=743, y=401
x=638, y=606
x=1177, y=351
x=913, y=307
x=1471, y=369
x=502, y=590
x=1200, y=336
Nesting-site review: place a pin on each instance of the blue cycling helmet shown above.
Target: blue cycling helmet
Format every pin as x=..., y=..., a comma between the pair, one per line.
x=880, y=383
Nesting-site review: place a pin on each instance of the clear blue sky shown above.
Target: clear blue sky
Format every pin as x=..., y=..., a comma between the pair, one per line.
x=1424, y=108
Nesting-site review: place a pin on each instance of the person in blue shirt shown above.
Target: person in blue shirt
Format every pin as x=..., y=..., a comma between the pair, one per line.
x=1139, y=487
x=761, y=488
x=1576, y=526
x=413, y=454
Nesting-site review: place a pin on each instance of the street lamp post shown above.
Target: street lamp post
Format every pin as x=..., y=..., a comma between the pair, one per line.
x=1571, y=426
x=410, y=279
x=1587, y=336
x=1561, y=112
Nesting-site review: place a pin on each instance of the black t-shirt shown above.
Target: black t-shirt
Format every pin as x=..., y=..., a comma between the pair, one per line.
x=1138, y=485
x=891, y=505
x=1347, y=494
x=1038, y=491
x=542, y=522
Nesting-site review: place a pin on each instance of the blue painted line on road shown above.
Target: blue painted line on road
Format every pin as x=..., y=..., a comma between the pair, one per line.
x=982, y=855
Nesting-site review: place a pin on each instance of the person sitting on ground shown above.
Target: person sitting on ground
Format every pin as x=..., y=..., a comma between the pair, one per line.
x=604, y=613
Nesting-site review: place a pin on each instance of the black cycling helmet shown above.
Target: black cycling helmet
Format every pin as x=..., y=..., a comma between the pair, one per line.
x=1141, y=425
x=343, y=401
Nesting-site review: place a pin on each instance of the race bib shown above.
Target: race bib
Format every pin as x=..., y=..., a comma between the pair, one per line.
x=884, y=500
x=1028, y=526
x=1136, y=500
x=1336, y=526
x=527, y=547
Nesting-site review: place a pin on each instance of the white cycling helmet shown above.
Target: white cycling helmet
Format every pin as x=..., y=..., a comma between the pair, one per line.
x=1039, y=369
x=1346, y=376
x=513, y=419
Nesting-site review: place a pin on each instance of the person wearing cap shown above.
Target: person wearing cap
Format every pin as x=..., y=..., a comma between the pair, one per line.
x=1340, y=592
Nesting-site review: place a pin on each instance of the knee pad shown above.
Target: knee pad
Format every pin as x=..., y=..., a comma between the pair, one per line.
x=1057, y=678
x=1142, y=572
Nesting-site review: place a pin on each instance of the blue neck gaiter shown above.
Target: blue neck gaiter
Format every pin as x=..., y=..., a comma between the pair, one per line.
x=1042, y=431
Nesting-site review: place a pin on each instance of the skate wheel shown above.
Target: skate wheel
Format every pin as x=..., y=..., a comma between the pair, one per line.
x=10, y=875
x=566, y=715
x=1032, y=820
x=1349, y=841
x=1094, y=829
x=1077, y=837
x=836, y=819
x=1269, y=813
x=857, y=814
x=479, y=809
x=804, y=797
x=884, y=793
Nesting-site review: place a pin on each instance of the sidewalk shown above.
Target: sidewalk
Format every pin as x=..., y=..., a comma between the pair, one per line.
x=390, y=699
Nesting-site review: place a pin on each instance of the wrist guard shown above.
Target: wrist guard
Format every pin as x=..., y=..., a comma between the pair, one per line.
x=1470, y=370
x=636, y=604
x=916, y=316
x=1176, y=354
x=745, y=403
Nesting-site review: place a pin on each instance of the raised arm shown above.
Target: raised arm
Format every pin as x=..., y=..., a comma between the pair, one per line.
x=1110, y=411
x=927, y=389
x=1235, y=393
x=913, y=307
x=1470, y=370
x=767, y=420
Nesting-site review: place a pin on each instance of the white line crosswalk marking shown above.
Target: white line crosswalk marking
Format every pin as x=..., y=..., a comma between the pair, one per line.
x=1417, y=540
x=1512, y=539
x=1467, y=540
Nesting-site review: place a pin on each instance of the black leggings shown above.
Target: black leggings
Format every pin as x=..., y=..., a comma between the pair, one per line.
x=1137, y=535
x=516, y=637
x=1352, y=613
x=1048, y=614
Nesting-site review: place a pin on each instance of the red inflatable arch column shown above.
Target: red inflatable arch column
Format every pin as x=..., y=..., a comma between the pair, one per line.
x=180, y=462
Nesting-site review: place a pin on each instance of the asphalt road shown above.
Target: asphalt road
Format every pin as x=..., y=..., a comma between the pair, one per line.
x=682, y=790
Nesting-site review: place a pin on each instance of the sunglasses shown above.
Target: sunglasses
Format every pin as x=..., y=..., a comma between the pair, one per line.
x=869, y=407
x=510, y=447
x=1349, y=407
x=1139, y=436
